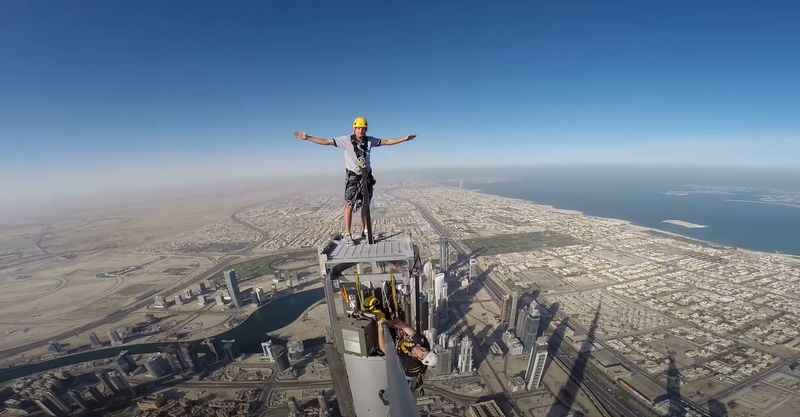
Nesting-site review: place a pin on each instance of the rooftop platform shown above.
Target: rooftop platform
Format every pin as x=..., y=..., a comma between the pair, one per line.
x=394, y=248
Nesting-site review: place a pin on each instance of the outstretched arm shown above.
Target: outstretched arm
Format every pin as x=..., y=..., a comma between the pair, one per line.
x=398, y=140
x=315, y=139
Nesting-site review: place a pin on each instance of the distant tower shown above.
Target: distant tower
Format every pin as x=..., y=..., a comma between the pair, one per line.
x=125, y=362
x=48, y=407
x=445, y=254
x=60, y=405
x=261, y=296
x=453, y=342
x=211, y=343
x=229, y=348
x=157, y=366
x=119, y=382
x=536, y=362
x=428, y=271
x=296, y=350
x=433, y=321
x=530, y=327
x=281, y=358
x=78, y=399
x=439, y=289
x=473, y=268
x=465, y=356
x=185, y=356
x=232, y=282
x=519, y=326
x=266, y=347
x=159, y=301
x=445, y=364
x=442, y=340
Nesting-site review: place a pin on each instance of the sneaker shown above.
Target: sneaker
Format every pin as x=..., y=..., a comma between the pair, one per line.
x=348, y=239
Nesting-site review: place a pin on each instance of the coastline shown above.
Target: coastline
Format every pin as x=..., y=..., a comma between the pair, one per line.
x=786, y=256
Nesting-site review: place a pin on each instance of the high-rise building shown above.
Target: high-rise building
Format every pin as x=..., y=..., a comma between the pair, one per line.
x=296, y=350
x=514, y=306
x=465, y=356
x=513, y=345
x=95, y=395
x=444, y=255
x=106, y=381
x=261, y=296
x=78, y=399
x=47, y=407
x=159, y=301
x=440, y=290
x=211, y=343
x=125, y=362
x=536, y=363
x=444, y=366
x=230, y=350
x=473, y=268
x=62, y=407
x=430, y=334
x=442, y=340
x=522, y=317
x=281, y=358
x=232, y=282
x=530, y=327
x=428, y=272
x=119, y=381
x=266, y=347
x=157, y=366
x=454, y=342
x=185, y=356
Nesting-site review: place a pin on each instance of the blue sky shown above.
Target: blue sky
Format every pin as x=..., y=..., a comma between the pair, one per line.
x=97, y=94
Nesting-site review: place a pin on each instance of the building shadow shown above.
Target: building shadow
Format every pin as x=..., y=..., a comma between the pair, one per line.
x=569, y=391
x=676, y=405
x=554, y=342
x=548, y=315
x=716, y=408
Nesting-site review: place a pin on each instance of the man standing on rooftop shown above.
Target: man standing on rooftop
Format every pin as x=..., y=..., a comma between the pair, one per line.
x=356, y=147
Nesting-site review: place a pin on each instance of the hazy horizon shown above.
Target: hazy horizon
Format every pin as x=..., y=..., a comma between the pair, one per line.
x=108, y=97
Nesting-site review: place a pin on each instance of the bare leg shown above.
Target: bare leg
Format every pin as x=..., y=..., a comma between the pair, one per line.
x=364, y=223
x=348, y=217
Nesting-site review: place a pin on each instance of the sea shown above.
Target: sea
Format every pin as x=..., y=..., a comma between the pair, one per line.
x=729, y=202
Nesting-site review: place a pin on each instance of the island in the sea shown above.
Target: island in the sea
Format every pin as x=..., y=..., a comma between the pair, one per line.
x=685, y=224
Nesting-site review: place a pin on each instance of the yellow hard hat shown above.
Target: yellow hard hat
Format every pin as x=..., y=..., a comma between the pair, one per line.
x=371, y=302
x=359, y=122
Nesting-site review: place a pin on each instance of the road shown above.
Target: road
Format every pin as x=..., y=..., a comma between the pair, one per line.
x=144, y=300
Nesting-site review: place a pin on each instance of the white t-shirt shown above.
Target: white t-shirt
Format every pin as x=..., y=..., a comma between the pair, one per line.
x=351, y=155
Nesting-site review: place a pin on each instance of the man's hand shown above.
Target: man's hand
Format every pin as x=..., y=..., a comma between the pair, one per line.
x=301, y=135
x=398, y=140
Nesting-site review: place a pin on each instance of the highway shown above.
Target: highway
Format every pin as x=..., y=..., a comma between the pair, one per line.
x=142, y=300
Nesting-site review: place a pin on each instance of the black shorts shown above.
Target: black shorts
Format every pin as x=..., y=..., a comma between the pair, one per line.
x=355, y=189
